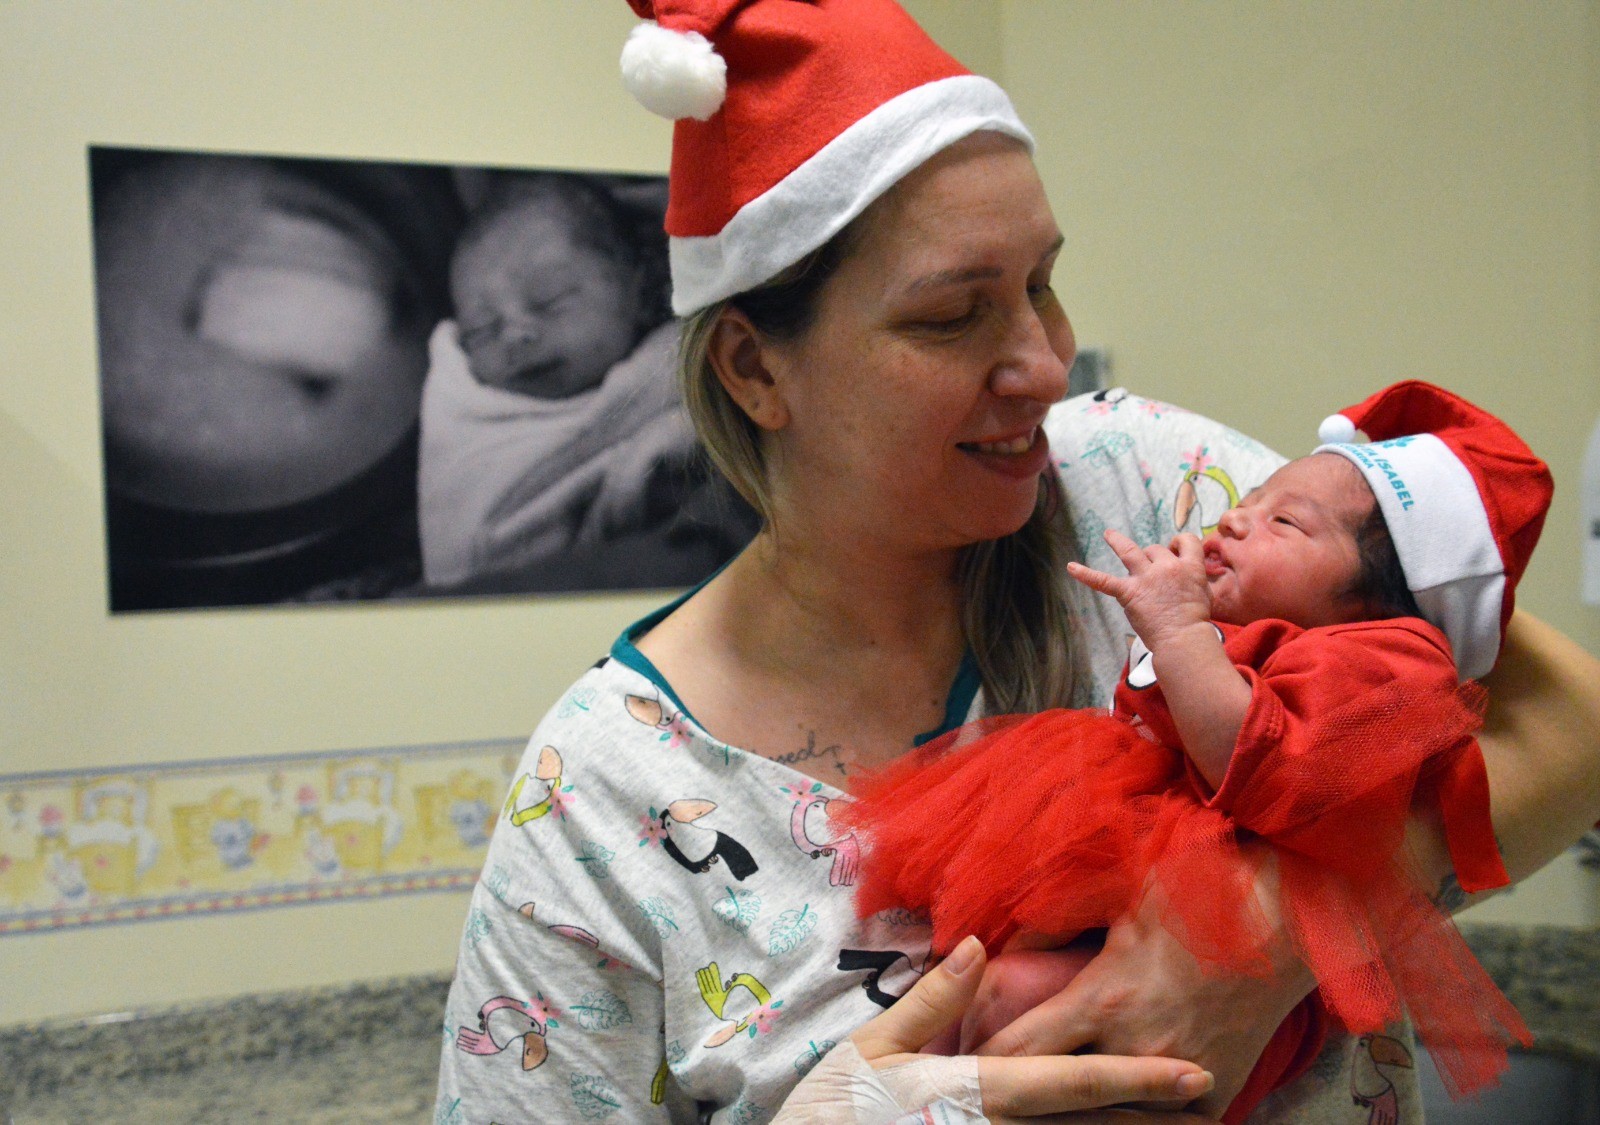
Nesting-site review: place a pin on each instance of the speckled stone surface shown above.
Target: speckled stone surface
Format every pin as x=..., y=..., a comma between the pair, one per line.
x=368, y=1052
x=1552, y=975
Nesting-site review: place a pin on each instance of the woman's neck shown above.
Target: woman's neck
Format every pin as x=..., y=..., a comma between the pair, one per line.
x=789, y=650
x=830, y=601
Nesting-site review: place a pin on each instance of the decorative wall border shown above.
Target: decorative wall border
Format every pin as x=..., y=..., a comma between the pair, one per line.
x=94, y=847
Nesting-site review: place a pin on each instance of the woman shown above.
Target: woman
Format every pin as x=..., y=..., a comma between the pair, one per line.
x=665, y=924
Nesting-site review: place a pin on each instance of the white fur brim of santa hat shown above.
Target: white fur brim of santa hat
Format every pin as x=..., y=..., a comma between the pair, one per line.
x=818, y=199
x=1464, y=500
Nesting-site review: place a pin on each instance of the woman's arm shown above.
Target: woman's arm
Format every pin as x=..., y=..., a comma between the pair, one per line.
x=1541, y=746
x=1146, y=994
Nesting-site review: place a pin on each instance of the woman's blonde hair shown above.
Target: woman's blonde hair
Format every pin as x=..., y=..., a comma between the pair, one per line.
x=1014, y=609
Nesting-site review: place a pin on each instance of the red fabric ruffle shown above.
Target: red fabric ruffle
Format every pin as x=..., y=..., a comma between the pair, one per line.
x=1063, y=821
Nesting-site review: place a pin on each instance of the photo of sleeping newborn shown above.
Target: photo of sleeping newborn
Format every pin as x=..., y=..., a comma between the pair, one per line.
x=327, y=381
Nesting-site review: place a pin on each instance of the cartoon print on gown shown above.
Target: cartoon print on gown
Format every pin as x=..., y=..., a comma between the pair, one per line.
x=719, y=998
x=1370, y=1084
x=697, y=849
x=674, y=727
x=1206, y=488
x=551, y=794
x=504, y=1020
x=877, y=962
x=584, y=937
x=809, y=828
x=658, y=1082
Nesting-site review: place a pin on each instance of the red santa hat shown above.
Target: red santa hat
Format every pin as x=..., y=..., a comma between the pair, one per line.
x=1464, y=499
x=792, y=117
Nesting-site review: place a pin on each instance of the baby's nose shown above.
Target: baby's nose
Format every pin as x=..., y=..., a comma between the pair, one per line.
x=524, y=329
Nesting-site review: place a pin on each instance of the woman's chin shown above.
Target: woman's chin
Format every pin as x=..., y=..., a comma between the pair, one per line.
x=1009, y=513
x=999, y=523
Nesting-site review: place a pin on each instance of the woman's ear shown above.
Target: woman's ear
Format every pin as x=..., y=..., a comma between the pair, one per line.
x=745, y=361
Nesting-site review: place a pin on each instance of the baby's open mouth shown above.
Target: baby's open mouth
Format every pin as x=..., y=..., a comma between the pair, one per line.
x=1213, y=560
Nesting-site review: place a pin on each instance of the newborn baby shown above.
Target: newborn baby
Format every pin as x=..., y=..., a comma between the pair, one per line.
x=555, y=451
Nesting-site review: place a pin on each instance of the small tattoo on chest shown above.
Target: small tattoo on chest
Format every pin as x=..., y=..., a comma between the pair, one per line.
x=811, y=752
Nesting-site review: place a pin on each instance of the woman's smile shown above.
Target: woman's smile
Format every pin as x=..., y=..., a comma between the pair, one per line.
x=1019, y=457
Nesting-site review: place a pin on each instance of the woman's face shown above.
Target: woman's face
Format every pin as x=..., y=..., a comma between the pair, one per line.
x=914, y=400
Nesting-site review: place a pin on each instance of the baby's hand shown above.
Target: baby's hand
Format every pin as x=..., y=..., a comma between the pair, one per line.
x=1165, y=588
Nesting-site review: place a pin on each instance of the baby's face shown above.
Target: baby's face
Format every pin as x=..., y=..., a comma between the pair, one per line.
x=539, y=311
x=1289, y=549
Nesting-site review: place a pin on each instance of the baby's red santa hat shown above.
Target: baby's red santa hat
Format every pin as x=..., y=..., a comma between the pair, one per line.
x=1464, y=499
x=792, y=117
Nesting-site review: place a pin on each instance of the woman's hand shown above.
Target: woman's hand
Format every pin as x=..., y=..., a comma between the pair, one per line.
x=1145, y=994
x=878, y=1076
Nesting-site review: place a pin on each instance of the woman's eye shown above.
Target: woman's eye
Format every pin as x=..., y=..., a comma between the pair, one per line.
x=949, y=324
x=1041, y=294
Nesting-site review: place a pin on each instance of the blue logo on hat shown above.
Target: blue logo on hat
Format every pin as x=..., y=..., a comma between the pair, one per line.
x=1379, y=466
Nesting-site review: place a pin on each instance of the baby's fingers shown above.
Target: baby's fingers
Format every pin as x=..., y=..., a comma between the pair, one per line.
x=1186, y=547
x=1097, y=580
x=1032, y=1086
x=1132, y=556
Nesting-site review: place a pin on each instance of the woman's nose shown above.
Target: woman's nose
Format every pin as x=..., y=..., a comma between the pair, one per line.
x=1038, y=354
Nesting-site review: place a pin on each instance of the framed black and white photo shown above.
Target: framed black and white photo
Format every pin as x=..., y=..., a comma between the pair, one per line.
x=333, y=380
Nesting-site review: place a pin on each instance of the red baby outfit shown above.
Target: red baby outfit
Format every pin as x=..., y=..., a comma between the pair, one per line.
x=1060, y=822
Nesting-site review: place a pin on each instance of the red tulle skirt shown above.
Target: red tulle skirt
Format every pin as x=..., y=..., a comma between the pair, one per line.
x=1065, y=821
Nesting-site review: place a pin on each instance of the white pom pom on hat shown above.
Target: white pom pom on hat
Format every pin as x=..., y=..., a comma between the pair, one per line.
x=676, y=74
x=1336, y=429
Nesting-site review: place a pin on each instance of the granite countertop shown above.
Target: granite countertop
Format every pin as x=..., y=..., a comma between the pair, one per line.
x=1552, y=975
x=369, y=1052
x=365, y=1052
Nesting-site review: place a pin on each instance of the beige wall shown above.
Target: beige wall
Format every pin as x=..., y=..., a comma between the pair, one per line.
x=1270, y=210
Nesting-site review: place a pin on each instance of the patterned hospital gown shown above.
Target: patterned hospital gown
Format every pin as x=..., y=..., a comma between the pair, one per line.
x=664, y=931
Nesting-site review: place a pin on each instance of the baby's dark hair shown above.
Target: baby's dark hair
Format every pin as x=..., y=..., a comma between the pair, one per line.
x=599, y=222
x=630, y=236
x=1381, y=581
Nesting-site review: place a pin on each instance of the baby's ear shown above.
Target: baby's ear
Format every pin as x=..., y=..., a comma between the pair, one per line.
x=748, y=366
